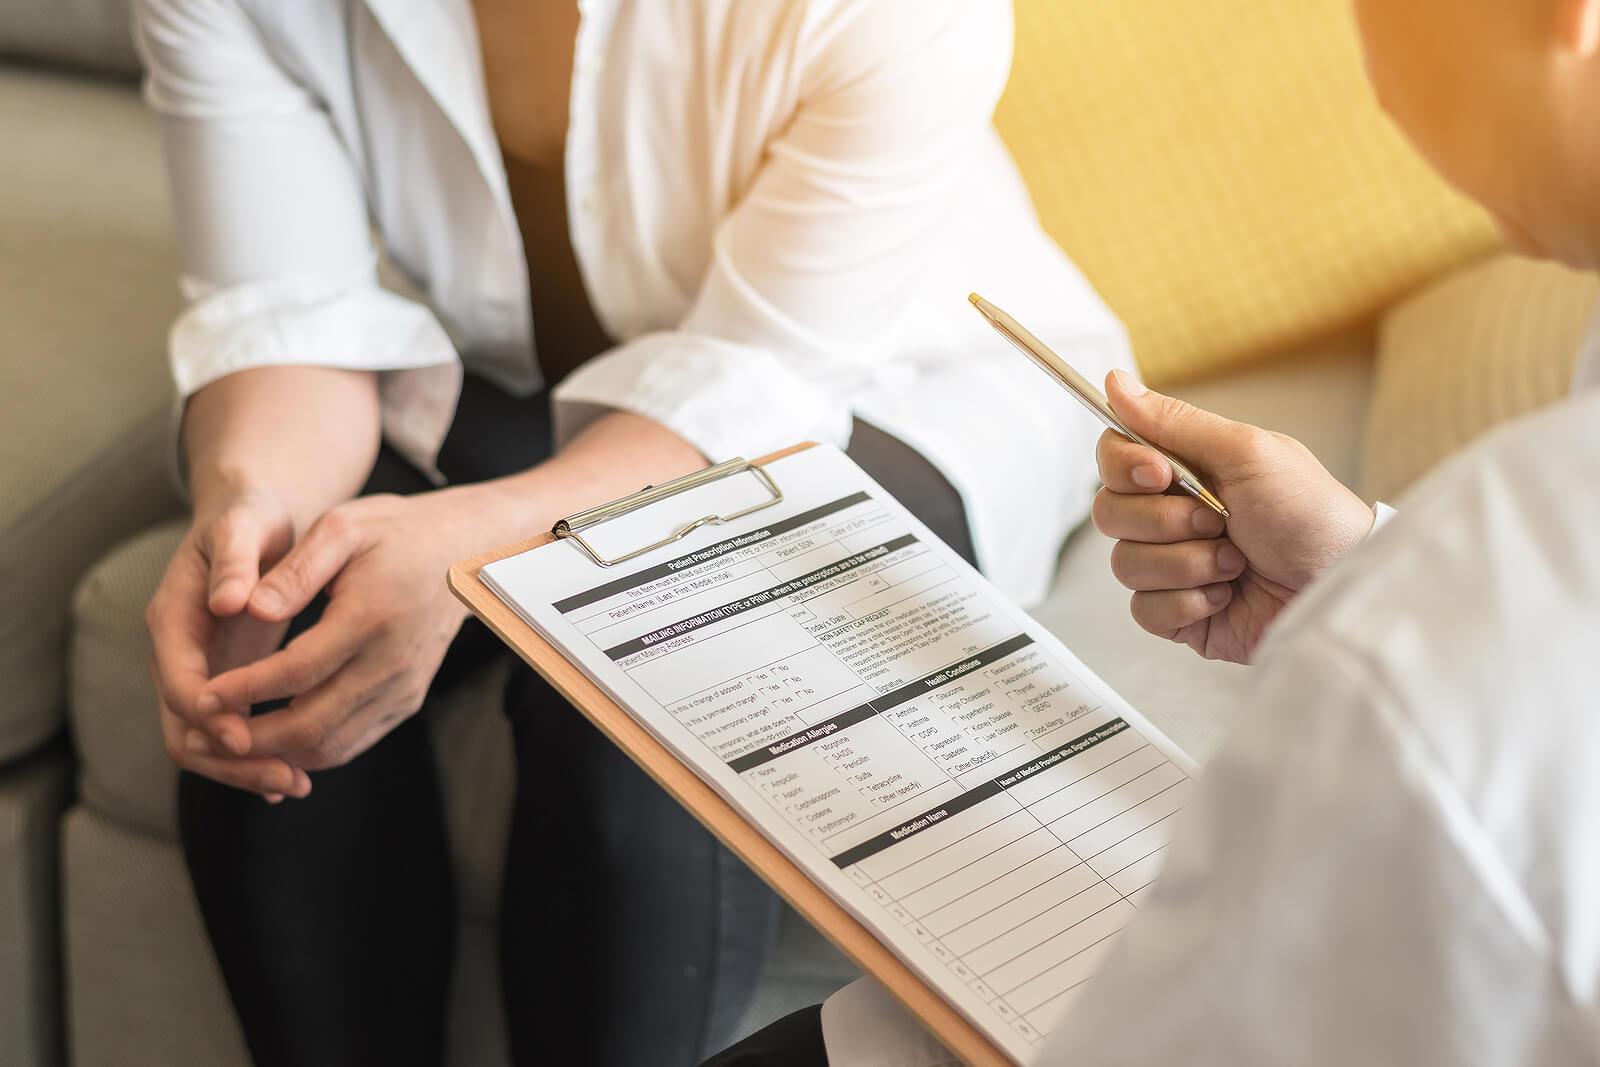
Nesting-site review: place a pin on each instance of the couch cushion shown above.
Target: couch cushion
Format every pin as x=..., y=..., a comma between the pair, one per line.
x=142, y=982
x=93, y=34
x=1473, y=350
x=123, y=770
x=86, y=292
x=1221, y=173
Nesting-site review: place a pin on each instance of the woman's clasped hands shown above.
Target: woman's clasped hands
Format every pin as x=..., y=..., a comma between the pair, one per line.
x=362, y=666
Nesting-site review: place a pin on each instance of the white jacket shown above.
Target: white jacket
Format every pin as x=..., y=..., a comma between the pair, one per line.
x=777, y=207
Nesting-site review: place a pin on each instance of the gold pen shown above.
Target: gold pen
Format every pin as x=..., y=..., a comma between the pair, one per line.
x=1088, y=396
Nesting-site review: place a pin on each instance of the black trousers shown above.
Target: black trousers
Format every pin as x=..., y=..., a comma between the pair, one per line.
x=334, y=918
x=793, y=1041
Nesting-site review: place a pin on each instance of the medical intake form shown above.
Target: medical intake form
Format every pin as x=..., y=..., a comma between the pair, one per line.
x=919, y=746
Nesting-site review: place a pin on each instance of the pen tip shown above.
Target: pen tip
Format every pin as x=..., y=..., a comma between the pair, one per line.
x=975, y=300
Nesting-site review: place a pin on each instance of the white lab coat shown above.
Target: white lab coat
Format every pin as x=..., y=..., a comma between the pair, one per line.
x=1395, y=859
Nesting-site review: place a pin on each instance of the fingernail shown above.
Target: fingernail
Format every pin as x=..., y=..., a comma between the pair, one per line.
x=1130, y=385
x=273, y=798
x=1206, y=523
x=208, y=704
x=1217, y=595
x=1149, y=476
x=1229, y=558
x=196, y=742
x=266, y=599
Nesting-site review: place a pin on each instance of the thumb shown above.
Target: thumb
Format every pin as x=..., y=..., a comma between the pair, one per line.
x=1190, y=433
x=234, y=544
x=309, y=566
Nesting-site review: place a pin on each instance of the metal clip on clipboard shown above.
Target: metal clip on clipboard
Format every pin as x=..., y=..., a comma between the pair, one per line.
x=573, y=525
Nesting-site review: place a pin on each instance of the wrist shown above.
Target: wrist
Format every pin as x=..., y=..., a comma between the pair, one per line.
x=614, y=456
x=215, y=487
x=484, y=515
x=304, y=435
x=1348, y=526
x=1362, y=519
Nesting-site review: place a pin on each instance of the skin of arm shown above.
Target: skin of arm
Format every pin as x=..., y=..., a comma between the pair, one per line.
x=613, y=456
x=308, y=435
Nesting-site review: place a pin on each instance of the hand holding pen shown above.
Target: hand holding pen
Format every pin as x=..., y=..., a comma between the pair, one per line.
x=1212, y=566
x=1212, y=585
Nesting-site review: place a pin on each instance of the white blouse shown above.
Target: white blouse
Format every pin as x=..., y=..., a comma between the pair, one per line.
x=777, y=207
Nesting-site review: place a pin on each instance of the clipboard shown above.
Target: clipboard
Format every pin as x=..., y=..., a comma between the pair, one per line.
x=683, y=784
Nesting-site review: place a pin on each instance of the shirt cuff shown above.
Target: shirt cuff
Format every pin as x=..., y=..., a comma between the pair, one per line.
x=346, y=322
x=723, y=398
x=329, y=321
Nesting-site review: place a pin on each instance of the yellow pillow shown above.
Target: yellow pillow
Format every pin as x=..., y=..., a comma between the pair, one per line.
x=1221, y=172
x=1482, y=346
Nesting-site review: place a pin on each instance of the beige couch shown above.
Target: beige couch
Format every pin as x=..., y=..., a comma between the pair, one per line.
x=102, y=956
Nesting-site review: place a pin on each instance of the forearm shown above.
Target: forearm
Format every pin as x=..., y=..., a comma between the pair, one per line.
x=308, y=435
x=615, y=455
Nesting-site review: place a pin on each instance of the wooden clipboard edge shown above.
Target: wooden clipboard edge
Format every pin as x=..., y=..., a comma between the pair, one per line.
x=716, y=814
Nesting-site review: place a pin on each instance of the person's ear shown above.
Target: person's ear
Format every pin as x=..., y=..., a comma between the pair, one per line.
x=1577, y=27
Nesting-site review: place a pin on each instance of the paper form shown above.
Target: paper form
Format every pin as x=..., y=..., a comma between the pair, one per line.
x=924, y=750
